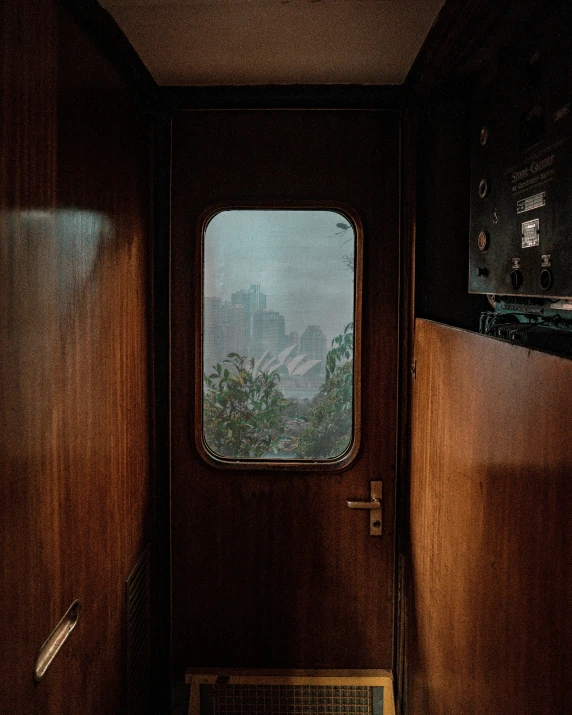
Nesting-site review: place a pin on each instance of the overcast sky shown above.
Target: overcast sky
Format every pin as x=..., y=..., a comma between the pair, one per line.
x=297, y=258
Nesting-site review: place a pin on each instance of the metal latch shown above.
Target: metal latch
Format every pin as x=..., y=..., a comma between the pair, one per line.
x=374, y=506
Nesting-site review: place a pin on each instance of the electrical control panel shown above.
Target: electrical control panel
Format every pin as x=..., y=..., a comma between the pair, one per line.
x=521, y=170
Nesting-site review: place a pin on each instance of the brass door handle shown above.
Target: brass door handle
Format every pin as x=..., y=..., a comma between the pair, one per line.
x=374, y=507
x=373, y=504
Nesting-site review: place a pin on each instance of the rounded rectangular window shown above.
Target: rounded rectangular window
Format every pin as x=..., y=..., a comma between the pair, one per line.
x=279, y=329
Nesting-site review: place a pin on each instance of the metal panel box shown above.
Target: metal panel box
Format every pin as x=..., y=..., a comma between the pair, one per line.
x=521, y=168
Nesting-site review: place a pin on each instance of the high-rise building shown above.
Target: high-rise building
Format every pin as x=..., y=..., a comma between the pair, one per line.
x=293, y=338
x=268, y=332
x=212, y=333
x=252, y=300
x=315, y=345
x=232, y=319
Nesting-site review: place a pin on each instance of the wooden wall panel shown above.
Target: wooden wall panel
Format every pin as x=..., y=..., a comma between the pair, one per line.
x=74, y=395
x=490, y=617
x=28, y=334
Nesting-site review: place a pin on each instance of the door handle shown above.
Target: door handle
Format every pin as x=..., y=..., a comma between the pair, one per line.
x=57, y=638
x=373, y=504
x=374, y=507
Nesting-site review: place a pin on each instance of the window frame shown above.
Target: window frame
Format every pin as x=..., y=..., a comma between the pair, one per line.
x=335, y=464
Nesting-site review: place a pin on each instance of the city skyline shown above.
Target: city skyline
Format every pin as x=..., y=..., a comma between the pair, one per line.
x=299, y=259
x=233, y=326
x=229, y=304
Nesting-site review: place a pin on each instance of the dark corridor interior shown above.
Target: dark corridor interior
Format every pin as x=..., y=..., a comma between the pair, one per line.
x=466, y=599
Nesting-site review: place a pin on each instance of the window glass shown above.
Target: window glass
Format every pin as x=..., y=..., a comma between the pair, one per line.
x=278, y=334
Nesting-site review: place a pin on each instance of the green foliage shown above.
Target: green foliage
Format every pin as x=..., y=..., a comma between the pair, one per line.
x=243, y=409
x=342, y=349
x=330, y=421
x=246, y=415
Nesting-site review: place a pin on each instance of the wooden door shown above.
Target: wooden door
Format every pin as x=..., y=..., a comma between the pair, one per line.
x=270, y=568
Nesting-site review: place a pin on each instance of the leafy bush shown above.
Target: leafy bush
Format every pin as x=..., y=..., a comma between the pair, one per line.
x=330, y=421
x=243, y=409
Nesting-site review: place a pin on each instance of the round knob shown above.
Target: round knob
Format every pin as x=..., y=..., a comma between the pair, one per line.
x=546, y=279
x=516, y=279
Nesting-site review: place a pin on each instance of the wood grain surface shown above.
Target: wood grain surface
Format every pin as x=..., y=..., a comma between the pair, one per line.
x=271, y=569
x=74, y=399
x=29, y=609
x=490, y=617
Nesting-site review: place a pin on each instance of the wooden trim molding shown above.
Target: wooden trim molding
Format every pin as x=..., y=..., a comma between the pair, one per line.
x=299, y=96
x=160, y=361
x=408, y=208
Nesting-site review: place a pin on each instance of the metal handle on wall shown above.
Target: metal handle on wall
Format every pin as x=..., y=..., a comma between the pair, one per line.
x=55, y=641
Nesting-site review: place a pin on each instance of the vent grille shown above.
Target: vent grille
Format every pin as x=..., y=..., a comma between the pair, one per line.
x=139, y=637
x=294, y=699
x=236, y=692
